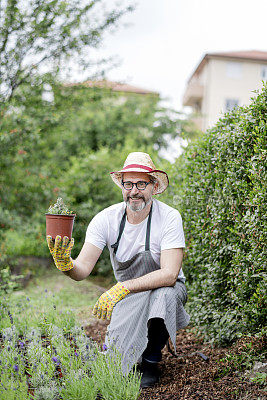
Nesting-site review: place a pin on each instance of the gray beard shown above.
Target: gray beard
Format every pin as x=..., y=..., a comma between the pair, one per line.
x=136, y=208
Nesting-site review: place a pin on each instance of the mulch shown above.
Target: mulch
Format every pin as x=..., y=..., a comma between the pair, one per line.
x=191, y=377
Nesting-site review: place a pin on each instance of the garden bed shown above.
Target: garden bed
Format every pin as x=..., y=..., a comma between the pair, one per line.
x=59, y=341
x=58, y=365
x=190, y=377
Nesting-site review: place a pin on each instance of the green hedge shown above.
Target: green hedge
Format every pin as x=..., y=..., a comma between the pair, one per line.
x=219, y=186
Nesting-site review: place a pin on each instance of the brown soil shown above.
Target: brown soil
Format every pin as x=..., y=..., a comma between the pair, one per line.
x=190, y=377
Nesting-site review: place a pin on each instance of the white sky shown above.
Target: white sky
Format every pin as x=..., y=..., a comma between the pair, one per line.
x=166, y=39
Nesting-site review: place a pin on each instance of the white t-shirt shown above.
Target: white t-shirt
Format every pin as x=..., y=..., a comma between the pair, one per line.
x=166, y=232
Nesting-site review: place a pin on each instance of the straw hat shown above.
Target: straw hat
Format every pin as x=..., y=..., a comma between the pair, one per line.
x=141, y=162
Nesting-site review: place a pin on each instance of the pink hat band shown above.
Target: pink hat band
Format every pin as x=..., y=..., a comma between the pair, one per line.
x=138, y=166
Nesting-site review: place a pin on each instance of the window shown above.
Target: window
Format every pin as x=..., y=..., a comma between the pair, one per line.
x=234, y=70
x=264, y=72
x=230, y=104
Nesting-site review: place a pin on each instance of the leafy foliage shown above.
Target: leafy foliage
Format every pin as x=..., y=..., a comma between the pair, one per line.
x=44, y=35
x=244, y=353
x=219, y=184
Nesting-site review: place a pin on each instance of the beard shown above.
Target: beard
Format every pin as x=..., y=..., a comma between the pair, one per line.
x=137, y=207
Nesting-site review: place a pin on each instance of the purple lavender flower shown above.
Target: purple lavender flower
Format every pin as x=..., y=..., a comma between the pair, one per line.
x=10, y=317
x=56, y=360
x=27, y=299
x=105, y=347
x=76, y=354
x=16, y=367
x=21, y=344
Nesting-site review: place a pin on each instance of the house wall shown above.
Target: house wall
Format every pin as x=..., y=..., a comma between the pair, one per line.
x=219, y=86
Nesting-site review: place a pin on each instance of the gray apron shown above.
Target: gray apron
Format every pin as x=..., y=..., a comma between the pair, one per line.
x=128, y=328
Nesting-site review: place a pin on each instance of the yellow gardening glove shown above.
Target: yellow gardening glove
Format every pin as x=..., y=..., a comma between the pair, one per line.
x=61, y=252
x=104, y=305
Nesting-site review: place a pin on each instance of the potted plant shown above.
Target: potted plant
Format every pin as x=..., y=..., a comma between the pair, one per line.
x=59, y=220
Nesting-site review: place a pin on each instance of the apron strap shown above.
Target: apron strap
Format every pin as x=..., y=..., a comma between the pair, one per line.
x=148, y=229
x=122, y=225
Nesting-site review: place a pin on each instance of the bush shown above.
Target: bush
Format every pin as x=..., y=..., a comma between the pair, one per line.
x=26, y=242
x=219, y=186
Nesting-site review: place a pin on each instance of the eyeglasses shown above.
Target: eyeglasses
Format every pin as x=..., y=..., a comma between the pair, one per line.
x=140, y=185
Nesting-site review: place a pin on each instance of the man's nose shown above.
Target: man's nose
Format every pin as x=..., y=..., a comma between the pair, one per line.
x=134, y=190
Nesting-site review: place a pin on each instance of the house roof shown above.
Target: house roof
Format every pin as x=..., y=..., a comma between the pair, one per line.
x=249, y=54
x=245, y=55
x=115, y=86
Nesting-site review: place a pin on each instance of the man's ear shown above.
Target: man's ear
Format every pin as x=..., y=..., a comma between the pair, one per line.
x=155, y=188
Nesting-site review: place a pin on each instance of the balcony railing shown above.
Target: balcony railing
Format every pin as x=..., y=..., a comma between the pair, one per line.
x=193, y=94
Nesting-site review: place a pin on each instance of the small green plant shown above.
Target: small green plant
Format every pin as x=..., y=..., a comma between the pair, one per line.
x=59, y=208
x=260, y=378
x=112, y=382
x=79, y=386
x=12, y=388
x=242, y=357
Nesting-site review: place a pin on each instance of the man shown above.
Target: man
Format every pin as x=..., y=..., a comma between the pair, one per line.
x=146, y=240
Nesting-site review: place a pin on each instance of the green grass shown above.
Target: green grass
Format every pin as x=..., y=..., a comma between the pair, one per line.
x=54, y=296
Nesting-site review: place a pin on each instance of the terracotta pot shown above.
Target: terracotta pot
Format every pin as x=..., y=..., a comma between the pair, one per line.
x=57, y=224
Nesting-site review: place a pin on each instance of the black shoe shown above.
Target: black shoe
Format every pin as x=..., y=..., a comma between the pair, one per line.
x=150, y=374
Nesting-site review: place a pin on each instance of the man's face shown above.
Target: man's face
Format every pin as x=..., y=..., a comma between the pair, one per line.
x=137, y=199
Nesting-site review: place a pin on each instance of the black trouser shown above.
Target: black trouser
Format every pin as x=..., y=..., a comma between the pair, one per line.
x=157, y=338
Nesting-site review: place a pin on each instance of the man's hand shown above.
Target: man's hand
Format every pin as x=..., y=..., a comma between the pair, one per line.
x=61, y=252
x=104, y=305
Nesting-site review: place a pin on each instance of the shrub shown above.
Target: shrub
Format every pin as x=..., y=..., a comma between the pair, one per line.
x=27, y=241
x=219, y=186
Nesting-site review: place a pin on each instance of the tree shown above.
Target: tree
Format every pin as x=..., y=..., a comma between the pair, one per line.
x=39, y=138
x=43, y=35
x=43, y=144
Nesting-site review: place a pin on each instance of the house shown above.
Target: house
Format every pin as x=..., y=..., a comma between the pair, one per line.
x=122, y=88
x=222, y=81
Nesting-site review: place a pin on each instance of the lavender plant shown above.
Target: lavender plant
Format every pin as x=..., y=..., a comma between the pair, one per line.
x=40, y=365
x=47, y=392
x=85, y=370
x=33, y=335
x=79, y=386
x=58, y=357
x=111, y=381
x=12, y=388
x=10, y=335
x=59, y=208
